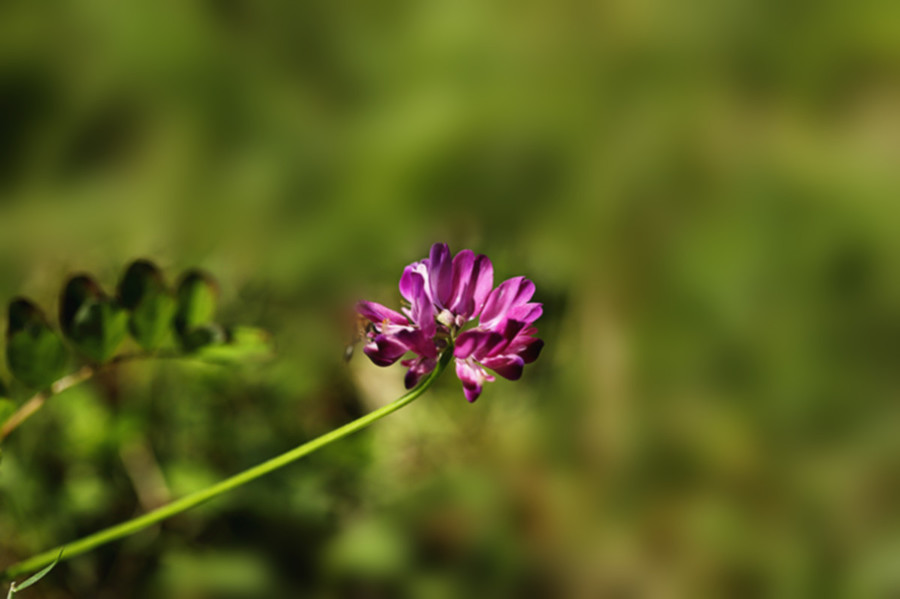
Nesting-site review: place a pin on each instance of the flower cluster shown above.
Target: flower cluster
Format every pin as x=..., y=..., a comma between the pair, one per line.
x=443, y=293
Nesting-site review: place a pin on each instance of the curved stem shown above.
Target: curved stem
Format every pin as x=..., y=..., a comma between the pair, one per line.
x=37, y=401
x=134, y=525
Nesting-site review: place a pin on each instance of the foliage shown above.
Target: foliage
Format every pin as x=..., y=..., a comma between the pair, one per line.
x=35, y=354
x=96, y=325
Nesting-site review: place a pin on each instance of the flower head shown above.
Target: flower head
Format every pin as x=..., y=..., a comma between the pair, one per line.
x=443, y=294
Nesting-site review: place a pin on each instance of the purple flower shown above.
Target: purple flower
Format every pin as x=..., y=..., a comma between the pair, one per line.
x=456, y=288
x=443, y=295
x=504, y=340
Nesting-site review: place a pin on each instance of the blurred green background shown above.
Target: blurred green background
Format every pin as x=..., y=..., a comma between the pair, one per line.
x=705, y=193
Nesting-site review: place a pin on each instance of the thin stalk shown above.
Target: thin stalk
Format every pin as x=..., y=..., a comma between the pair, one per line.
x=37, y=401
x=134, y=525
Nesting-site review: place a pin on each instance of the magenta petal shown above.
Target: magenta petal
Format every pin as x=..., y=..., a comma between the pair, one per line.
x=411, y=272
x=502, y=298
x=509, y=367
x=511, y=328
x=406, y=282
x=461, y=301
x=417, y=369
x=466, y=343
x=384, y=350
x=476, y=342
x=524, y=293
x=482, y=282
x=411, y=378
x=415, y=340
x=440, y=274
x=472, y=393
x=421, y=309
x=526, y=313
x=471, y=380
x=379, y=314
x=531, y=350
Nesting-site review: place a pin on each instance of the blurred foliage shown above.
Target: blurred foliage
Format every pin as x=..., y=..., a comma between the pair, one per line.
x=143, y=291
x=705, y=194
x=97, y=324
x=35, y=353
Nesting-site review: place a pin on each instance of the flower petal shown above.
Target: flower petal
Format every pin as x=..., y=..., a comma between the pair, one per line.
x=475, y=342
x=418, y=368
x=440, y=274
x=526, y=313
x=472, y=377
x=511, y=329
x=421, y=310
x=419, y=269
x=472, y=393
x=379, y=314
x=509, y=367
x=417, y=341
x=461, y=301
x=482, y=282
x=384, y=350
x=510, y=293
x=529, y=348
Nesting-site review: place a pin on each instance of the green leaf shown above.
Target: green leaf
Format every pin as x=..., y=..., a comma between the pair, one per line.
x=141, y=277
x=34, y=353
x=14, y=588
x=197, y=294
x=201, y=337
x=242, y=344
x=150, y=323
x=95, y=323
x=77, y=293
x=99, y=329
x=143, y=291
x=23, y=314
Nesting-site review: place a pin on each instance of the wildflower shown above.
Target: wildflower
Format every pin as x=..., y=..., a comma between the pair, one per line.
x=444, y=294
x=504, y=340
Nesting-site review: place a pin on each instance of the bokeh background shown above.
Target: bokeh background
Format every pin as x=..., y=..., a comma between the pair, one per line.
x=705, y=193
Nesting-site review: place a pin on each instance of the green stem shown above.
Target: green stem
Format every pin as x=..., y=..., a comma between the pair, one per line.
x=37, y=401
x=134, y=525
